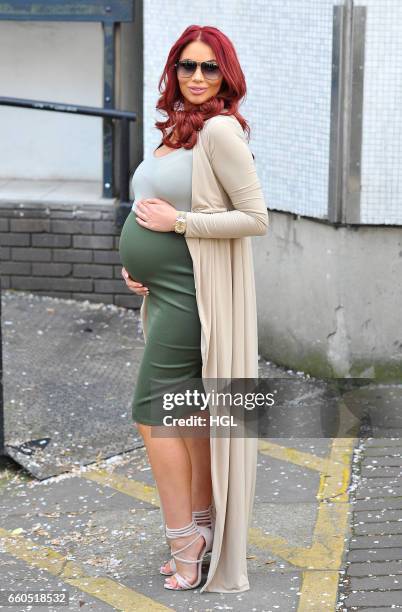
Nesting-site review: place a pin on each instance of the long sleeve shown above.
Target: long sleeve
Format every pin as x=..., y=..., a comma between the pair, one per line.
x=233, y=165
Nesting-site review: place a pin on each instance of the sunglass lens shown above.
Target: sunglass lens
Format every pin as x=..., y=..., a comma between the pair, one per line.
x=186, y=69
x=210, y=70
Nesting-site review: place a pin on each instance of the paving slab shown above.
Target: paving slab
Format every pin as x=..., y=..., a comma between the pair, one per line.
x=373, y=577
x=371, y=598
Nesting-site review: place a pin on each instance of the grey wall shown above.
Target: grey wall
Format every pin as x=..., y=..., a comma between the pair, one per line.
x=329, y=299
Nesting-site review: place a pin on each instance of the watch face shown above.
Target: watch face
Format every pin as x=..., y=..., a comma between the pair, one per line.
x=180, y=226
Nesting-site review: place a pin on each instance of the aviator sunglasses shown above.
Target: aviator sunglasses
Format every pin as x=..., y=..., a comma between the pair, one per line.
x=186, y=68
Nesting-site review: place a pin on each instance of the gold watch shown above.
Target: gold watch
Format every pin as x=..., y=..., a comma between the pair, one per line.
x=180, y=224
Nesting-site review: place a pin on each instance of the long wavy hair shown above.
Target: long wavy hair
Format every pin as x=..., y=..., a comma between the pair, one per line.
x=187, y=123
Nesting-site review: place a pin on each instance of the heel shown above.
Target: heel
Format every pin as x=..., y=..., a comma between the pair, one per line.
x=201, y=517
x=200, y=531
x=206, y=518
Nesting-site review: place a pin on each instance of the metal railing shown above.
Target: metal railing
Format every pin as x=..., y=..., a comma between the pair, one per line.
x=125, y=117
x=105, y=113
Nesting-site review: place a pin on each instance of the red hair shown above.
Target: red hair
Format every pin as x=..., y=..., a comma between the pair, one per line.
x=188, y=122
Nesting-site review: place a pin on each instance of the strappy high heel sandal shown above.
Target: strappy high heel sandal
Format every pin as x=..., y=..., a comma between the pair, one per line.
x=199, y=531
x=203, y=518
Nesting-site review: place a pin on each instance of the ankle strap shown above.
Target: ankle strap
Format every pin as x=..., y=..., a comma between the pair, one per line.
x=182, y=531
x=189, y=529
x=203, y=513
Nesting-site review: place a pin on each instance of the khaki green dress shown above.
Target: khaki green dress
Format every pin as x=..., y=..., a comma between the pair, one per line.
x=171, y=361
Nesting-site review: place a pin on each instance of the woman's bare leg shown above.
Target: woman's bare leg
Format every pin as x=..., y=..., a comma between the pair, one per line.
x=170, y=460
x=198, y=447
x=171, y=467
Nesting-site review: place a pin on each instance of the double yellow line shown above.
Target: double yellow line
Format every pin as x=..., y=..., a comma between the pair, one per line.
x=105, y=589
x=320, y=562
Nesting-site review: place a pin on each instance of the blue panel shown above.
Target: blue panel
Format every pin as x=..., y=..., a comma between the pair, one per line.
x=108, y=102
x=60, y=10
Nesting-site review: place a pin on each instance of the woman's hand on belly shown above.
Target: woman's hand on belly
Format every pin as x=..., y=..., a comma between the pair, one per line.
x=133, y=285
x=156, y=214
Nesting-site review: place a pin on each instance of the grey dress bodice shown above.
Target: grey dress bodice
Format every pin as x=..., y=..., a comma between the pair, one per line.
x=168, y=177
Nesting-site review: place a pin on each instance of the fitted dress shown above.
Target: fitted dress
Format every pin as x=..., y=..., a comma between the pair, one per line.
x=171, y=362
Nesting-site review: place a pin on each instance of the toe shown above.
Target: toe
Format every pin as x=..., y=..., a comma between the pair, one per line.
x=171, y=581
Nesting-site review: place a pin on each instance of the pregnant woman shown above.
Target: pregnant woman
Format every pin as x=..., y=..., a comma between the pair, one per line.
x=195, y=271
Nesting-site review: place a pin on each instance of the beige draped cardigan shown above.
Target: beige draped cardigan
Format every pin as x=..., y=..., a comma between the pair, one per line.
x=225, y=182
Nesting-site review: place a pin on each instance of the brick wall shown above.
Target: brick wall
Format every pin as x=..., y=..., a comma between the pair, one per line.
x=67, y=251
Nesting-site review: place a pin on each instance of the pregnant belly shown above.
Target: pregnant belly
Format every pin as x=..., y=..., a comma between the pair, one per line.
x=150, y=256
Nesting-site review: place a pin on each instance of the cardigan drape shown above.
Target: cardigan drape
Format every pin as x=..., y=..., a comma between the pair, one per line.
x=228, y=207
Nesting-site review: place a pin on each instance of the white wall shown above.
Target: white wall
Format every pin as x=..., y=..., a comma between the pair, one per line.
x=381, y=167
x=54, y=61
x=285, y=50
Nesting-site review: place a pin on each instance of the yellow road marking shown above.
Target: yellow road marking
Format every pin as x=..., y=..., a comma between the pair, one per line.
x=292, y=455
x=323, y=559
x=334, y=481
x=105, y=589
x=328, y=540
x=318, y=591
x=128, y=486
x=333, y=469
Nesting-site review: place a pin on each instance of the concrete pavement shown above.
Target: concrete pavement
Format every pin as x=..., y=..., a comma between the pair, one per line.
x=94, y=530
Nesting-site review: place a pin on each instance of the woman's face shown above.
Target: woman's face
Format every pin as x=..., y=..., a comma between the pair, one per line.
x=199, y=52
